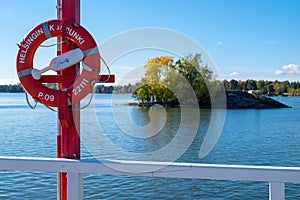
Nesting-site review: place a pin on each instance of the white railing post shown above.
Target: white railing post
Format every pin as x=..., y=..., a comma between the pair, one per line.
x=75, y=186
x=276, y=191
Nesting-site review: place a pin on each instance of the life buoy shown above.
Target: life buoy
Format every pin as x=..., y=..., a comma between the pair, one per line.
x=84, y=81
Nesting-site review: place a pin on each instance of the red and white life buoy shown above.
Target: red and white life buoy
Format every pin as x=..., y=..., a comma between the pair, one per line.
x=84, y=82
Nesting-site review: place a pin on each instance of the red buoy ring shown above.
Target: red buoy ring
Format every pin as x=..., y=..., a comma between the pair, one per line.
x=84, y=82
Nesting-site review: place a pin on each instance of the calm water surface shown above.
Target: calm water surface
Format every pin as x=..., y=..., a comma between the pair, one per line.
x=249, y=137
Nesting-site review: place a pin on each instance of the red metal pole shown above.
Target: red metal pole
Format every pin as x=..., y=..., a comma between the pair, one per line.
x=68, y=138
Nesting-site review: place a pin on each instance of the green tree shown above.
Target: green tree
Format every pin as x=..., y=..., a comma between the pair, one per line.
x=260, y=85
x=251, y=85
x=165, y=80
x=233, y=84
x=270, y=89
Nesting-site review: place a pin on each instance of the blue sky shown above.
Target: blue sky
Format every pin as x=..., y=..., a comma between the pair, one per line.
x=257, y=39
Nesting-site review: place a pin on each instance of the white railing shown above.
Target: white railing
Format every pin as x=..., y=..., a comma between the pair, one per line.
x=276, y=176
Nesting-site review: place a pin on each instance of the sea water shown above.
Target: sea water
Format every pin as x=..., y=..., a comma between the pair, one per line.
x=249, y=137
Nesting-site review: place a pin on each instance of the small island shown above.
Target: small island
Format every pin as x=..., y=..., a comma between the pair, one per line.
x=187, y=82
x=244, y=100
x=234, y=100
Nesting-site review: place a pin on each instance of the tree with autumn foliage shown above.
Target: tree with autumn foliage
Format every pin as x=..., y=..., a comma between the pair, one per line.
x=165, y=80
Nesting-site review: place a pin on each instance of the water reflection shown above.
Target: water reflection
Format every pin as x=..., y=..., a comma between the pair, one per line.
x=156, y=133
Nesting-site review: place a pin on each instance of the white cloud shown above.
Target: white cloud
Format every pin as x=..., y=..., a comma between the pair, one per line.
x=228, y=76
x=280, y=72
x=219, y=43
x=290, y=68
x=234, y=74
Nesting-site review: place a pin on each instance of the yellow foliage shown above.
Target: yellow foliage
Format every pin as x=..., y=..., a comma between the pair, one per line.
x=157, y=68
x=160, y=61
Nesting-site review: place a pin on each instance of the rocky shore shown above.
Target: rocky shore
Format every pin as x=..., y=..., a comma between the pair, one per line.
x=244, y=100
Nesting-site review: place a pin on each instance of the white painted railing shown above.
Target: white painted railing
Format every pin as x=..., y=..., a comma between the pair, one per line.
x=276, y=176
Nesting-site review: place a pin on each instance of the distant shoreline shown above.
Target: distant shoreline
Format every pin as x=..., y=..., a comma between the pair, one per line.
x=236, y=99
